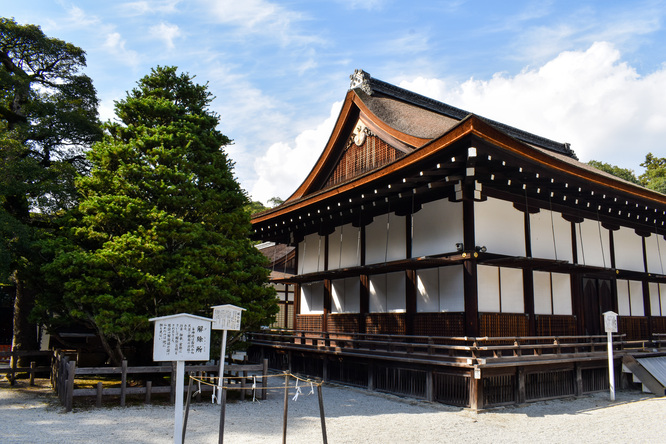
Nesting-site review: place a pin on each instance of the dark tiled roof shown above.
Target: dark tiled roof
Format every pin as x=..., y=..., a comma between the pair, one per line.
x=375, y=88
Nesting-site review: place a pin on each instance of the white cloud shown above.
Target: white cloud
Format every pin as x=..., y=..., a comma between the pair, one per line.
x=149, y=7
x=590, y=99
x=167, y=32
x=260, y=17
x=368, y=5
x=284, y=166
x=115, y=44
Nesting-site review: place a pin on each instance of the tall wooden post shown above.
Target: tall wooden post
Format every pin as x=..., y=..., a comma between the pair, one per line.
x=469, y=266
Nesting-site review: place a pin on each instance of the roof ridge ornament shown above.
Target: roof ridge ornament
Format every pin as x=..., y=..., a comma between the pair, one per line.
x=360, y=80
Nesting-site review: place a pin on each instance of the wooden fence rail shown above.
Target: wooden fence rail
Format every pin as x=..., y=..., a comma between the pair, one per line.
x=65, y=373
x=13, y=368
x=451, y=351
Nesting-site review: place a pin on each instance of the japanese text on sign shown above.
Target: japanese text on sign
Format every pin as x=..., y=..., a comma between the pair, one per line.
x=181, y=340
x=227, y=318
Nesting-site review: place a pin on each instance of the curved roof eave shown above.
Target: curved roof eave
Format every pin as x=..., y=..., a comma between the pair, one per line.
x=479, y=127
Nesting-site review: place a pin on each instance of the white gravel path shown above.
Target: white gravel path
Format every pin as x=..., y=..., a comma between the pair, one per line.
x=352, y=416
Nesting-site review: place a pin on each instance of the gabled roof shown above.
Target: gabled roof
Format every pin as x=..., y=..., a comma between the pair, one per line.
x=403, y=119
x=429, y=140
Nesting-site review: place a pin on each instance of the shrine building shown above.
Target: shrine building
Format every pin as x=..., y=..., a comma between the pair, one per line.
x=421, y=223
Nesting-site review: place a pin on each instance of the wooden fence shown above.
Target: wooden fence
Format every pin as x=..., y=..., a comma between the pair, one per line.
x=12, y=359
x=64, y=373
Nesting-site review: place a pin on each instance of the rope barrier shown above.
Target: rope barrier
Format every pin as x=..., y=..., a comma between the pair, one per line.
x=212, y=380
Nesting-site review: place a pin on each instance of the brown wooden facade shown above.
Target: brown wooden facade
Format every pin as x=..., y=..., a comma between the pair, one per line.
x=392, y=173
x=420, y=220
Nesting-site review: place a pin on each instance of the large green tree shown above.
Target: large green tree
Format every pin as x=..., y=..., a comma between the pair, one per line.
x=48, y=117
x=161, y=227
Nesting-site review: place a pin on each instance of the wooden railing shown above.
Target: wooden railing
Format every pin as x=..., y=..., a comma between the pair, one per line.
x=12, y=359
x=452, y=351
x=65, y=372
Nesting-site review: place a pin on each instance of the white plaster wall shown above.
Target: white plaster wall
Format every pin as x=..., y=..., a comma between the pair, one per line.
x=427, y=290
x=375, y=239
x=396, y=297
x=311, y=254
x=344, y=249
x=345, y=295
x=655, y=306
x=623, y=306
x=451, y=289
x=562, y=304
x=636, y=292
x=387, y=292
x=511, y=290
x=353, y=295
x=338, y=296
x=542, y=226
x=437, y=227
x=378, y=293
x=662, y=292
x=488, y=288
x=542, y=293
x=499, y=227
x=628, y=250
x=656, y=253
x=593, y=244
x=440, y=289
x=312, y=298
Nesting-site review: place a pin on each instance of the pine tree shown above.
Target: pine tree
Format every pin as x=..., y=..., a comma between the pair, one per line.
x=161, y=227
x=48, y=118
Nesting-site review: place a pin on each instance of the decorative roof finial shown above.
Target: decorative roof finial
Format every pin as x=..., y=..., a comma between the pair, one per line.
x=360, y=79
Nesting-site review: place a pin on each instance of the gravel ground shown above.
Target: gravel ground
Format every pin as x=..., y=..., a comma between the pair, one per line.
x=352, y=416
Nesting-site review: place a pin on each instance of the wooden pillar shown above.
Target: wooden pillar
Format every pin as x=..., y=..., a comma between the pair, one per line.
x=528, y=300
x=647, y=309
x=476, y=390
x=410, y=302
x=297, y=291
x=521, y=394
x=579, y=379
x=364, y=303
x=577, y=301
x=327, y=304
x=574, y=244
x=469, y=270
x=297, y=305
x=611, y=243
x=528, y=278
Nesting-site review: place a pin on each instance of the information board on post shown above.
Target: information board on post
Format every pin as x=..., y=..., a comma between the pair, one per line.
x=225, y=317
x=610, y=325
x=181, y=337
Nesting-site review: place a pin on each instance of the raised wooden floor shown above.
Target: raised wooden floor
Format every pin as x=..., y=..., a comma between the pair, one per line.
x=470, y=372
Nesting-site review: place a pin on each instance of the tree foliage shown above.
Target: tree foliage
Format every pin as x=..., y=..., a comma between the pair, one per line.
x=48, y=117
x=161, y=227
x=622, y=173
x=654, y=176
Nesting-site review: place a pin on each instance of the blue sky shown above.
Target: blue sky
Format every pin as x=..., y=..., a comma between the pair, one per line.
x=591, y=73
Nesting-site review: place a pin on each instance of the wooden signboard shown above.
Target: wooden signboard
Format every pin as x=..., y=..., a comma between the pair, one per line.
x=181, y=337
x=227, y=317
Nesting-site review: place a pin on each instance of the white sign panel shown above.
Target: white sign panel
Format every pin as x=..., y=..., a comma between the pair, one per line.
x=181, y=337
x=227, y=317
x=610, y=322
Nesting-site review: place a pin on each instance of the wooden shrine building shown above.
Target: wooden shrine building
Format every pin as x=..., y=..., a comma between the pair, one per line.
x=421, y=223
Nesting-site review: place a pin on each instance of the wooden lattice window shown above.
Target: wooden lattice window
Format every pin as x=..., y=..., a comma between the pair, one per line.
x=358, y=159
